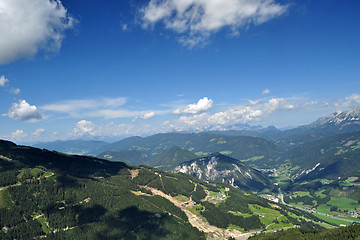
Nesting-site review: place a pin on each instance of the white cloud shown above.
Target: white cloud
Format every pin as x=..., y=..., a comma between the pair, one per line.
x=353, y=99
x=196, y=20
x=202, y=105
x=115, y=113
x=73, y=106
x=84, y=127
x=255, y=111
x=15, y=91
x=3, y=80
x=266, y=91
x=105, y=107
x=275, y=104
x=27, y=26
x=38, y=132
x=148, y=115
x=23, y=111
x=254, y=102
x=108, y=108
x=18, y=134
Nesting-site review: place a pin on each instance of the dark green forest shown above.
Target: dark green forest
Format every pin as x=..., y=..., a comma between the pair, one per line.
x=57, y=196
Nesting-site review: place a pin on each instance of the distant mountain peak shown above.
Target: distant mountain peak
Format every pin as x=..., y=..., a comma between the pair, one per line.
x=352, y=114
x=338, y=118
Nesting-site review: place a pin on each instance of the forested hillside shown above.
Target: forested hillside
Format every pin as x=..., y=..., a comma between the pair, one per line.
x=201, y=144
x=56, y=196
x=351, y=232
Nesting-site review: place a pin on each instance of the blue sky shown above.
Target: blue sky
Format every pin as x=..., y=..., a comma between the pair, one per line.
x=111, y=69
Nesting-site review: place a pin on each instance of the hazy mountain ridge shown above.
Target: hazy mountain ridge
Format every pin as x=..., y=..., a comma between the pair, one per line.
x=165, y=160
x=240, y=147
x=78, y=147
x=131, y=157
x=169, y=159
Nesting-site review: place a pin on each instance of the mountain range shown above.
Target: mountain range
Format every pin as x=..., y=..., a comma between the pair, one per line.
x=327, y=142
x=50, y=195
x=78, y=147
x=53, y=195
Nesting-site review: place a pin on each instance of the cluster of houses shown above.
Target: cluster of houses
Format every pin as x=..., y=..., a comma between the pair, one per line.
x=355, y=213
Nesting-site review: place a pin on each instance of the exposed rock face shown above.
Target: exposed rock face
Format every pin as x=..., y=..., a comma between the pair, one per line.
x=221, y=168
x=339, y=119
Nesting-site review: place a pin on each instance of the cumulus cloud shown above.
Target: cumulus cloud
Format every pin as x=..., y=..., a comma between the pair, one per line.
x=238, y=114
x=22, y=110
x=84, y=127
x=148, y=115
x=202, y=105
x=196, y=20
x=38, y=132
x=27, y=26
x=3, y=80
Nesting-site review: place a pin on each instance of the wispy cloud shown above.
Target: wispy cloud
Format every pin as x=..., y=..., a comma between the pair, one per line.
x=352, y=99
x=18, y=134
x=27, y=26
x=115, y=113
x=15, y=91
x=103, y=107
x=265, y=92
x=196, y=20
x=88, y=129
x=73, y=106
x=38, y=132
x=107, y=108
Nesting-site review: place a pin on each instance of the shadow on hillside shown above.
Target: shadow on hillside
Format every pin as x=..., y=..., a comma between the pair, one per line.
x=78, y=166
x=134, y=224
x=90, y=214
x=67, y=181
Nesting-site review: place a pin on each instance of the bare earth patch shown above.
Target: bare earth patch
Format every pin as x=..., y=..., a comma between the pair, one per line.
x=134, y=173
x=198, y=222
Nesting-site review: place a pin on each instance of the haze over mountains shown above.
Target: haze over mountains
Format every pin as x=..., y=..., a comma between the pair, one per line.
x=335, y=123
x=326, y=148
x=200, y=191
